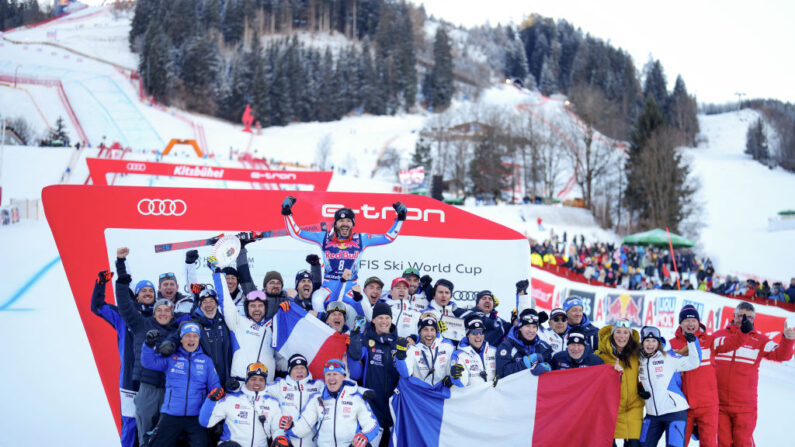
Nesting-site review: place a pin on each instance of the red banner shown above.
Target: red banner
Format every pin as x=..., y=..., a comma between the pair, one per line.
x=100, y=167
x=542, y=293
x=81, y=217
x=771, y=326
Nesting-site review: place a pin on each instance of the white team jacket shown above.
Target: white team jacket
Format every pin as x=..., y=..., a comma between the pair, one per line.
x=241, y=413
x=429, y=364
x=473, y=364
x=660, y=376
x=293, y=397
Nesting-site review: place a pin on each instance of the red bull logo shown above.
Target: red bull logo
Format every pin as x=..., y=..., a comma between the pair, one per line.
x=624, y=306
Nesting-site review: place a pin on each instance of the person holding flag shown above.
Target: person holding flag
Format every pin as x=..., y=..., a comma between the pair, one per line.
x=341, y=246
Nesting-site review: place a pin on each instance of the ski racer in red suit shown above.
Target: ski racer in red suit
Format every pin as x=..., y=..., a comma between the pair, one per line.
x=738, y=375
x=700, y=385
x=342, y=247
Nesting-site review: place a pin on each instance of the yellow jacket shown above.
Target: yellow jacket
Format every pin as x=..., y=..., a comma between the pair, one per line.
x=630, y=408
x=535, y=259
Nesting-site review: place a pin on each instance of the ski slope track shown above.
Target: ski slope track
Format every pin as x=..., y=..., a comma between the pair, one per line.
x=49, y=382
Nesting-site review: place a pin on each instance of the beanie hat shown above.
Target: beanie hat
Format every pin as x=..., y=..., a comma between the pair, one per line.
x=473, y=324
x=445, y=283
x=334, y=365
x=399, y=280
x=373, y=279
x=411, y=271
x=166, y=277
x=297, y=360
x=141, y=285
x=381, y=309
x=163, y=302
x=256, y=369
x=208, y=293
x=272, y=275
x=557, y=311
x=344, y=213
x=575, y=336
x=188, y=328
x=303, y=274
x=571, y=302
x=482, y=294
x=528, y=316
x=688, y=311
x=230, y=271
x=427, y=319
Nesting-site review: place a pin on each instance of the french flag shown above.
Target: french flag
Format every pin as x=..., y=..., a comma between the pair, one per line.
x=295, y=331
x=575, y=407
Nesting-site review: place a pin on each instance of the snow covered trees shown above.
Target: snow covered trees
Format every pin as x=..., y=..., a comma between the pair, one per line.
x=756, y=141
x=437, y=87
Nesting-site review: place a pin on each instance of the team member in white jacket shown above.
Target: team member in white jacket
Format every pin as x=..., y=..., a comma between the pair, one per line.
x=250, y=416
x=555, y=336
x=428, y=359
x=293, y=393
x=661, y=386
x=339, y=414
x=474, y=361
x=252, y=331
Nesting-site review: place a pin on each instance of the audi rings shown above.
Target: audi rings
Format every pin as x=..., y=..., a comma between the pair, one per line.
x=162, y=207
x=136, y=167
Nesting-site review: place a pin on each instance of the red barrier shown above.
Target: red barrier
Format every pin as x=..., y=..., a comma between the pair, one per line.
x=99, y=167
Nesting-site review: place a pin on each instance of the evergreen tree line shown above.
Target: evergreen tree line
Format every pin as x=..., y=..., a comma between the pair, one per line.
x=14, y=13
x=189, y=57
x=781, y=117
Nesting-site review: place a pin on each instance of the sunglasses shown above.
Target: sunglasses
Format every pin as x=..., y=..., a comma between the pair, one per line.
x=257, y=367
x=649, y=331
x=560, y=318
x=476, y=332
x=623, y=322
x=334, y=364
x=169, y=275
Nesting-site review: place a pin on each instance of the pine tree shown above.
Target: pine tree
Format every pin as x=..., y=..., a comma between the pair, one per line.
x=233, y=21
x=422, y=155
x=58, y=134
x=211, y=15
x=655, y=85
x=683, y=112
x=183, y=21
x=441, y=76
x=260, y=97
x=486, y=170
x=144, y=15
x=756, y=141
x=155, y=65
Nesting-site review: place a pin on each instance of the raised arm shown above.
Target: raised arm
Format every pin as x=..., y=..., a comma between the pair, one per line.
x=693, y=359
x=232, y=318
x=310, y=237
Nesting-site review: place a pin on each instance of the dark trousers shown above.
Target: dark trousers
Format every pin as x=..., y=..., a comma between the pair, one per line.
x=672, y=424
x=170, y=427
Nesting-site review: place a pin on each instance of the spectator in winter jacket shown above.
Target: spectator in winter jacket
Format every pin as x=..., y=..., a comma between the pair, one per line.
x=791, y=290
x=574, y=308
x=293, y=392
x=145, y=297
x=777, y=293
x=190, y=375
x=405, y=313
x=523, y=349
x=555, y=336
x=495, y=327
x=619, y=346
x=273, y=286
x=250, y=415
x=475, y=360
x=700, y=385
x=737, y=372
x=661, y=386
x=442, y=305
x=339, y=414
x=168, y=288
x=372, y=289
x=151, y=383
x=576, y=355
x=376, y=345
x=304, y=287
x=428, y=359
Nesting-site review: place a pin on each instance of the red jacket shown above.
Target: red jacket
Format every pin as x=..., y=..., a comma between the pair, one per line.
x=738, y=370
x=700, y=385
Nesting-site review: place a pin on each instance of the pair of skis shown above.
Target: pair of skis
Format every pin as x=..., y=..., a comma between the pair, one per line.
x=171, y=246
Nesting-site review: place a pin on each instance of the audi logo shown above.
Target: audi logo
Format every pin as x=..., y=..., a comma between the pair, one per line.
x=140, y=167
x=465, y=295
x=162, y=207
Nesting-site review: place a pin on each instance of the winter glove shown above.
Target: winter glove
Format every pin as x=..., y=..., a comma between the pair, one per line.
x=643, y=393
x=529, y=360
x=358, y=323
x=280, y=441
x=521, y=287
x=690, y=337
x=496, y=301
x=442, y=326
x=484, y=376
x=747, y=325
x=541, y=368
x=401, y=345
x=456, y=371
x=368, y=395
x=124, y=279
x=287, y=206
x=151, y=337
x=247, y=237
x=104, y=277
x=286, y=422
x=232, y=384
x=401, y=210
x=426, y=281
x=357, y=296
x=285, y=305
x=216, y=394
x=543, y=317
x=447, y=381
x=196, y=289
x=166, y=348
x=191, y=256
x=360, y=440
x=313, y=259
x=212, y=263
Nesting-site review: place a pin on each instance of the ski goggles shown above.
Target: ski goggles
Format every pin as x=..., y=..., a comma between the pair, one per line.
x=650, y=332
x=476, y=332
x=336, y=306
x=257, y=369
x=255, y=295
x=167, y=276
x=208, y=292
x=622, y=322
x=528, y=319
x=334, y=365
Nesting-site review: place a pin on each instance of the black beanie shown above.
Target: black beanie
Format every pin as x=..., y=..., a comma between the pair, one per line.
x=427, y=319
x=230, y=271
x=689, y=311
x=382, y=309
x=297, y=360
x=445, y=283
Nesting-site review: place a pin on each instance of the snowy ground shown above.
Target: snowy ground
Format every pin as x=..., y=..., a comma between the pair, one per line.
x=38, y=320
